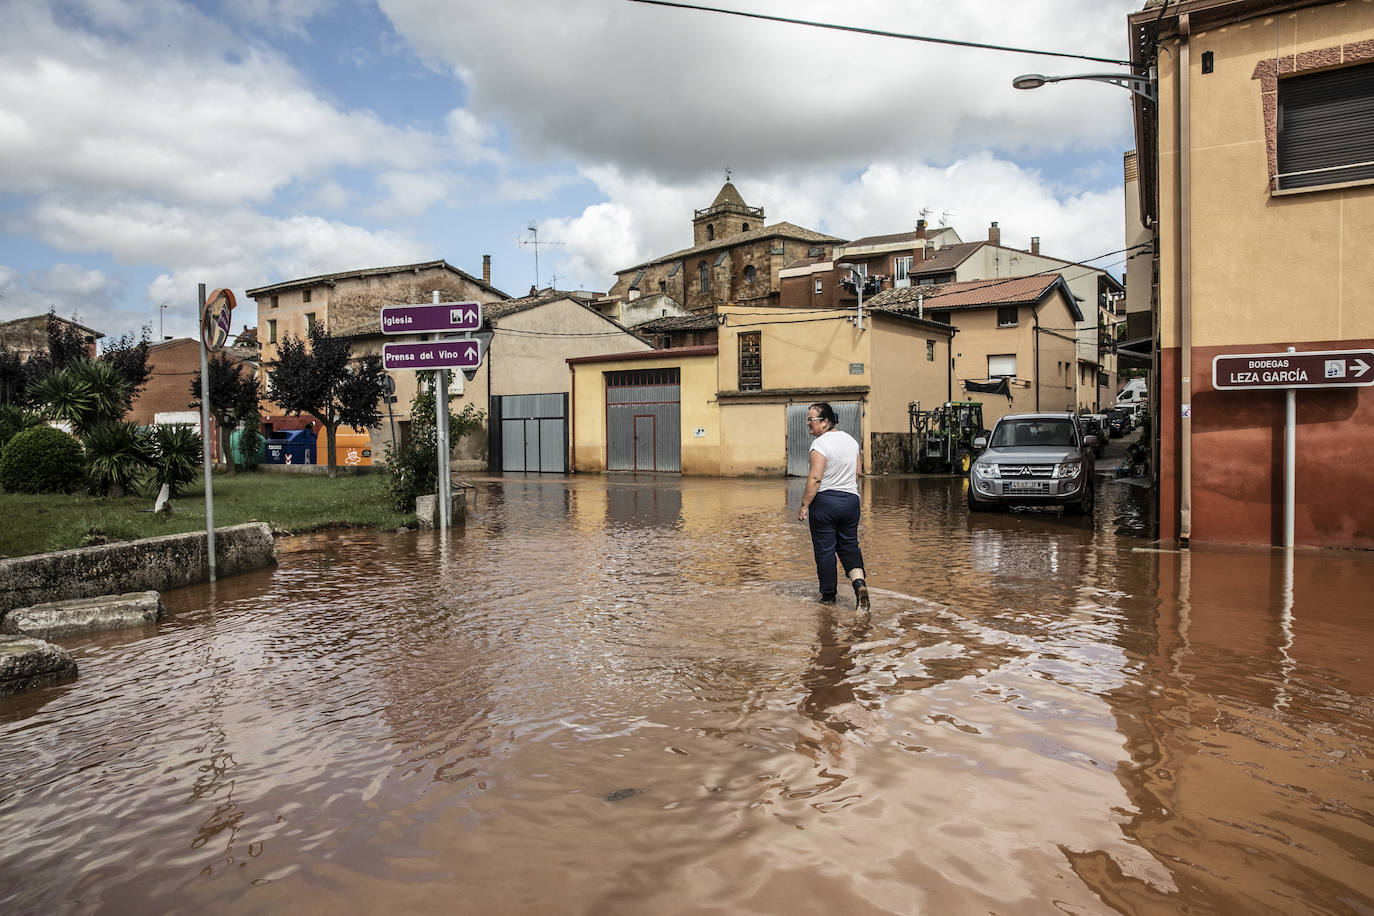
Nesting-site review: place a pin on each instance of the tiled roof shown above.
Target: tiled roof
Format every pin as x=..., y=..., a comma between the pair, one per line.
x=370, y=272
x=946, y=258
x=776, y=230
x=678, y=323
x=972, y=294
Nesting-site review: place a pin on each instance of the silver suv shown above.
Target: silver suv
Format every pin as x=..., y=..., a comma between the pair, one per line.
x=1034, y=459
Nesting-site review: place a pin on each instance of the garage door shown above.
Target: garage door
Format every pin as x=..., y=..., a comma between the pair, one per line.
x=850, y=417
x=643, y=420
x=533, y=432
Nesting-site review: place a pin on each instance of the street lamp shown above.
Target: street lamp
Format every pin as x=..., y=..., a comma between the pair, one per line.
x=859, y=280
x=1143, y=86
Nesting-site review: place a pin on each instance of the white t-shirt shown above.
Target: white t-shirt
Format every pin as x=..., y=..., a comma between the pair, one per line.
x=841, y=455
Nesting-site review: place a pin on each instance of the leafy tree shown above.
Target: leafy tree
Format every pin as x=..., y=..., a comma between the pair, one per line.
x=65, y=344
x=14, y=378
x=324, y=381
x=130, y=359
x=414, y=471
x=234, y=401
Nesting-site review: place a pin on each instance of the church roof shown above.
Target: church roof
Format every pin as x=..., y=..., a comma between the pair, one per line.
x=783, y=230
x=728, y=195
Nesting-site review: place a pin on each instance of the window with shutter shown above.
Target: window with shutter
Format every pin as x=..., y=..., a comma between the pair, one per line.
x=1326, y=127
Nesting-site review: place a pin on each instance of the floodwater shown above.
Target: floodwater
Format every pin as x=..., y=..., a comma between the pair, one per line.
x=618, y=695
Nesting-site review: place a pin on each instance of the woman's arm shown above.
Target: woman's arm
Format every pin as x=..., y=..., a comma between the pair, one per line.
x=813, y=483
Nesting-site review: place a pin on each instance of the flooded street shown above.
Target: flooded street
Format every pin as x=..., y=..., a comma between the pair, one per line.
x=619, y=695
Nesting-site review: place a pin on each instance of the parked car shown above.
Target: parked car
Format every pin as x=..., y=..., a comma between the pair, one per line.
x=1034, y=459
x=1118, y=422
x=1094, y=424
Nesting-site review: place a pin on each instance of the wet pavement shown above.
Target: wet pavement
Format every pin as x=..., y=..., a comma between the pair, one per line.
x=619, y=695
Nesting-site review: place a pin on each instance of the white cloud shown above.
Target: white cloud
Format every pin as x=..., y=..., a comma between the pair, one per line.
x=645, y=218
x=409, y=194
x=211, y=122
x=683, y=92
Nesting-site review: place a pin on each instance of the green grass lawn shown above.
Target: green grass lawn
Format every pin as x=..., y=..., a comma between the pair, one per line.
x=288, y=502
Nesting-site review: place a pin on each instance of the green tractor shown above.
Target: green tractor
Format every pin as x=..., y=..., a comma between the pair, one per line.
x=943, y=438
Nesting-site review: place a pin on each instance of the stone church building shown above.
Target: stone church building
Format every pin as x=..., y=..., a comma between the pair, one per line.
x=735, y=258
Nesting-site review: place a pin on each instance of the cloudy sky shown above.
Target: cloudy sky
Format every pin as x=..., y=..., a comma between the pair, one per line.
x=149, y=145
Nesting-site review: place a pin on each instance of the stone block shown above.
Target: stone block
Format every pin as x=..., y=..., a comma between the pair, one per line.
x=427, y=509
x=85, y=615
x=26, y=662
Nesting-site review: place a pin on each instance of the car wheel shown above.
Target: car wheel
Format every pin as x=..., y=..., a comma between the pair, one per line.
x=1085, y=505
x=975, y=504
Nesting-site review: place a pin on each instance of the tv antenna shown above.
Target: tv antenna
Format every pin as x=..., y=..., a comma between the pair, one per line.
x=925, y=213
x=944, y=217
x=533, y=241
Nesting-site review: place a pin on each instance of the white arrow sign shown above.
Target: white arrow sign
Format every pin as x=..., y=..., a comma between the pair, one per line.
x=1363, y=367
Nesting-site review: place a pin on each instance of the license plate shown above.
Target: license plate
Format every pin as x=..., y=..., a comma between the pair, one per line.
x=1032, y=485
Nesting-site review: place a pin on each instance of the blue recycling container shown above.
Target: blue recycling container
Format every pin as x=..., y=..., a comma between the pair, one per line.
x=291, y=446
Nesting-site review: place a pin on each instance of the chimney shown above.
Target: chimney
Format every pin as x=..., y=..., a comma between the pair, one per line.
x=994, y=234
x=920, y=228
x=486, y=269
x=1035, y=244
x=919, y=252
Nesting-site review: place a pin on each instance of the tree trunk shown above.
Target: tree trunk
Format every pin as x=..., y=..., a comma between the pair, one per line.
x=329, y=432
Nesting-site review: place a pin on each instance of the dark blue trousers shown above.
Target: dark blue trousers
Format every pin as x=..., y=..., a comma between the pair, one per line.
x=834, y=520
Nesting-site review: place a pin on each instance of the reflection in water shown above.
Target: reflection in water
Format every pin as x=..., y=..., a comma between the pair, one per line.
x=619, y=695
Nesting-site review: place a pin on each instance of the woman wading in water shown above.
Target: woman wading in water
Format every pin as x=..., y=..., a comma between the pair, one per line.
x=831, y=503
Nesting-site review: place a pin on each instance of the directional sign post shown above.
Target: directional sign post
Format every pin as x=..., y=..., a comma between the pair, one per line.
x=1309, y=369
x=1290, y=371
x=465, y=353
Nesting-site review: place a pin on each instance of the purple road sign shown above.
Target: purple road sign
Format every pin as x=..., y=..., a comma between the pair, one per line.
x=434, y=354
x=426, y=319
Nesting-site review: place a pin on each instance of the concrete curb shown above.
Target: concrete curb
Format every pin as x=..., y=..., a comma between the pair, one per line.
x=151, y=564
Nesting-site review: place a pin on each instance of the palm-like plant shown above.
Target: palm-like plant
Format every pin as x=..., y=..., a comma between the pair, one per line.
x=84, y=394
x=176, y=458
x=118, y=455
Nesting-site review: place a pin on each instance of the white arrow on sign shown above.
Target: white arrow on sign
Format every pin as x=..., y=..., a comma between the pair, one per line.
x=1363, y=367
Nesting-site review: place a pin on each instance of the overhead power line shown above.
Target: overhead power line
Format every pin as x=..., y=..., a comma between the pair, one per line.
x=884, y=34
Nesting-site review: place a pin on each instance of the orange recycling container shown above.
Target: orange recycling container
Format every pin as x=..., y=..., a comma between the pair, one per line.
x=351, y=450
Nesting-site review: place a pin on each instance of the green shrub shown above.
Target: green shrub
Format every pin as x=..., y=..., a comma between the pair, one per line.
x=250, y=442
x=118, y=455
x=14, y=419
x=42, y=460
x=415, y=471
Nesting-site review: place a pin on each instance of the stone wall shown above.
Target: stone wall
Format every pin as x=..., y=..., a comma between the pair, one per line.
x=154, y=564
x=891, y=453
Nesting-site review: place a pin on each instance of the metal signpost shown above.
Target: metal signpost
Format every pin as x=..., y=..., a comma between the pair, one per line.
x=462, y=353
x=1290, y=371
x=215, y=321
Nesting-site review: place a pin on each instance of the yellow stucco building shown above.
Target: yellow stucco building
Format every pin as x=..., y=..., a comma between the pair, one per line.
x=1256, y=171
x=737, y=408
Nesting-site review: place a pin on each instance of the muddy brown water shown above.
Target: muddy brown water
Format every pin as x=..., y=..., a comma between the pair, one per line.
x=618, y=695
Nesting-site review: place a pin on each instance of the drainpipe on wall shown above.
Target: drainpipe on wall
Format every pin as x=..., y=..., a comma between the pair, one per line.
x=1185, y=392
x=1036, y=342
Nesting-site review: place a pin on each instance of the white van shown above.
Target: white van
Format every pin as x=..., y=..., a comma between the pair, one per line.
x=1134, y=393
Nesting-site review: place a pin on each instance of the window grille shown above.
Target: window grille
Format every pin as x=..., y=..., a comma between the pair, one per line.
x=751, y=361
